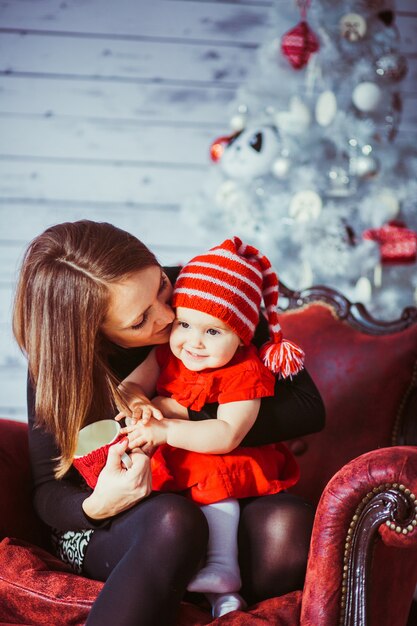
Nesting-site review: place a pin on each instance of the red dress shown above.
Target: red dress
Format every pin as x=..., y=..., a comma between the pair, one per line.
x=241, y=473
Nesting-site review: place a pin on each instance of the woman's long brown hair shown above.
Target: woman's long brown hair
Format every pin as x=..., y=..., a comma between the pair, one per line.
x=60, y=303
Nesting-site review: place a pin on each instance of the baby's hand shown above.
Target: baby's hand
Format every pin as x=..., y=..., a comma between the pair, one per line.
x=150, y=433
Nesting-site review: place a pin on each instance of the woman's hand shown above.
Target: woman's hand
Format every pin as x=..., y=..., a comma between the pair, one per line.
x=117, y=488
x=140, y=407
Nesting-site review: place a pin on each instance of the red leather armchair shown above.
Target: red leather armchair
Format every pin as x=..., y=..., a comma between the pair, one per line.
x=361, y=470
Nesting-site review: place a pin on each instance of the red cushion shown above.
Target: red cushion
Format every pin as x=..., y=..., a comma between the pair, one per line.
x=37, y=588
x=362, y=378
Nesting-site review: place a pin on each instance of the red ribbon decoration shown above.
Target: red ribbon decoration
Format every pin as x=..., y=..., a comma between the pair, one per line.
x=398, y=244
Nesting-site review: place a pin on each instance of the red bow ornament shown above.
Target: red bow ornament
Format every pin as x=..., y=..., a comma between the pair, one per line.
x=298, y=44
x=398, y=244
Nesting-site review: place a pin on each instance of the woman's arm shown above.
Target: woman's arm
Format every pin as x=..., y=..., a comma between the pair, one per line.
x=68, y=504
x=57, y=502
x=295, y=410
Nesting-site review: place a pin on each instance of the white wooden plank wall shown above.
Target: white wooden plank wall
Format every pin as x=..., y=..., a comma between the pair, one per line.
x=107, y=110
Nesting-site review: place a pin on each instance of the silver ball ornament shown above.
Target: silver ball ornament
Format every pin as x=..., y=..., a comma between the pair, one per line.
x=365, y=166
x=392, y=67
x=338, y=182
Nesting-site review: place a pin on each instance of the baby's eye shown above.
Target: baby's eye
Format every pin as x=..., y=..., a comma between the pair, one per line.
x=183, y=325
x=213, y=332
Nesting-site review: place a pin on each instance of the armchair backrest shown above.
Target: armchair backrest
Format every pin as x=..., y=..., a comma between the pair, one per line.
x=17, y=517
x=366, y=371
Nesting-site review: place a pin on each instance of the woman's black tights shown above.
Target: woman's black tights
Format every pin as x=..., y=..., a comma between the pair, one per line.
x=274, y=539
x=147, y=556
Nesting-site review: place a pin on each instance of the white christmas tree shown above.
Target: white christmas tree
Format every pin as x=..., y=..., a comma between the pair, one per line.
x=310, y=168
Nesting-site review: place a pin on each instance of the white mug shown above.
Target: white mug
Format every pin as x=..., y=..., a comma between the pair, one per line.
x=94, y=441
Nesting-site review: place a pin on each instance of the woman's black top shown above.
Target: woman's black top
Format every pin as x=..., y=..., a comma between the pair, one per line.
x=296, y=409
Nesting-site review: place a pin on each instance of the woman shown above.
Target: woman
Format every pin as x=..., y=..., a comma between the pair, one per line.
x=90, y=303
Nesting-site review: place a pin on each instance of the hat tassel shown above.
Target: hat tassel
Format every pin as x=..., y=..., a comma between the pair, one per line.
x=284, y=358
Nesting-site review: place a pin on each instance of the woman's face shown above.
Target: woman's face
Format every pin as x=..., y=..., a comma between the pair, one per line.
x=139, y=313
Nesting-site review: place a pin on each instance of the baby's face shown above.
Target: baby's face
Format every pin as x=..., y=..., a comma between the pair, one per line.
x=202, y=341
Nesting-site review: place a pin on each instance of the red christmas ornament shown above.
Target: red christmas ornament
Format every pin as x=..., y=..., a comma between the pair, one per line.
x=218, y=146
x=398, y=244
x=298, y=44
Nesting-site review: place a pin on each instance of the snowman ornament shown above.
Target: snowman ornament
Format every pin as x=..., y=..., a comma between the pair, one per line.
x=251, y=153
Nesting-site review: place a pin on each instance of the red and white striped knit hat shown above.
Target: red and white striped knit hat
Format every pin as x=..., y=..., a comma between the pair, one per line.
x=229, y=282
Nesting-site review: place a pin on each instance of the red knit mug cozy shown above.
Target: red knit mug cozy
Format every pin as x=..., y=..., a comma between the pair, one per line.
x=93, y=446
x=229, y=282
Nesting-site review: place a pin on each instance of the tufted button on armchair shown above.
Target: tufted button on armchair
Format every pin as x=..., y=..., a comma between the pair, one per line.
x=360, y=471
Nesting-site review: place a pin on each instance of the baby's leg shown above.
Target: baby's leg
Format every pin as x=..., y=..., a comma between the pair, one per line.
x=221, y=572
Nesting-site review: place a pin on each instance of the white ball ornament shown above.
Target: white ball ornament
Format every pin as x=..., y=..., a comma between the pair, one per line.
x=366, y=96
x=281, y=166
x=238, y=122
x=305, y=205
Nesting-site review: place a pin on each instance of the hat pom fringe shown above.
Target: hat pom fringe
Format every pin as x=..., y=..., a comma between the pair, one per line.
x=284, y=358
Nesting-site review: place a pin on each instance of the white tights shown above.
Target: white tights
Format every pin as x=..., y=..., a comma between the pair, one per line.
x=220, y=578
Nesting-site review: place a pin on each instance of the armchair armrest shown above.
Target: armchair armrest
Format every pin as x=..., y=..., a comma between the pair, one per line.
x=363, y=555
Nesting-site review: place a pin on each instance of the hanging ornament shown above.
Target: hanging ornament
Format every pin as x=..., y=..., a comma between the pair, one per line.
x=282, y=164
x=299, y=43
x=363, y=290
x=239, y=119
x=398, y=244
x=251, y=153
x=366, y=96
x=340, y=182
x=392, y=67
x=326, y=108
x=352, y=27
x=305, y=205
x=364, y=165
x=218, y=146
x=296, y=119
